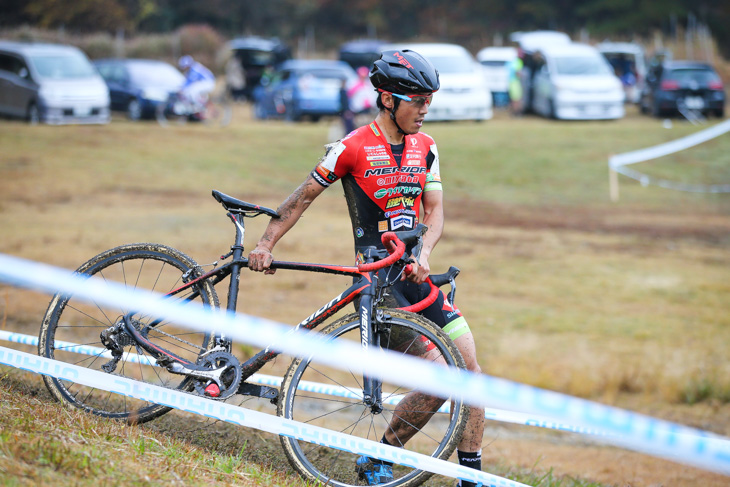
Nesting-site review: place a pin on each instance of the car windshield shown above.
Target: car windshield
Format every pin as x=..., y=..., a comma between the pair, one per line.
x=325, y=73
x=321, y=79
x=253, y=57
x=63, y=66
x=155, y=74
x=452, y=64
x=702, y=76
x=584, y=65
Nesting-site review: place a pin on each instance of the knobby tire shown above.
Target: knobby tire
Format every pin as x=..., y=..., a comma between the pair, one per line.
x=69, y=321
x=438, y=438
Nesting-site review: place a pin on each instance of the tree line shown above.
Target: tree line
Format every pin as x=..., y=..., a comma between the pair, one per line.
x=472, y=23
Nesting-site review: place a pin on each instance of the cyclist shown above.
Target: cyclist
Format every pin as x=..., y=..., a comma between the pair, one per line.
x=199, y=82
x=388, y=170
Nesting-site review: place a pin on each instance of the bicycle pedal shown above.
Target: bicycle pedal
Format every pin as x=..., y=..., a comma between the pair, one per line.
x=213, y=390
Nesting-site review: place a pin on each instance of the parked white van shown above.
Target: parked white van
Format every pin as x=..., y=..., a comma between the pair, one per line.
x=574, y=81
x=464, y=94
x=51, y=83
x=629, y=63
x=496, y=64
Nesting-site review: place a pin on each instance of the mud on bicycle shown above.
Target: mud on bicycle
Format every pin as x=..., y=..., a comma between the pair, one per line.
x=151, y=349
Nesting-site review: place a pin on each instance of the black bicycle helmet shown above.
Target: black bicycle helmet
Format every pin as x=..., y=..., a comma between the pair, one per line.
x=404, y=71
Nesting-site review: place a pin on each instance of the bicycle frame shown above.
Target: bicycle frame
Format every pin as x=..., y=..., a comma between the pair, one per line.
x=365, y=286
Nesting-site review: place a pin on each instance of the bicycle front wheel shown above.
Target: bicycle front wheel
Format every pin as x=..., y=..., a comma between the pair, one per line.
x=218, y=111
x=170, y=113
x=324, y=396
x=72, y=328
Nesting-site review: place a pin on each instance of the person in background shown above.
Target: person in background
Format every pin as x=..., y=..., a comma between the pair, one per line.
x=348, y=117
x=199, y=81
x=515, y=84
x=362, y=96
x=235, y=77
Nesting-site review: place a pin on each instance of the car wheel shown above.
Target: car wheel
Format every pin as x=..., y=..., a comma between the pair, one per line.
x=643, y=106
x=656, y=111
x=134, y=109
x=33, y=115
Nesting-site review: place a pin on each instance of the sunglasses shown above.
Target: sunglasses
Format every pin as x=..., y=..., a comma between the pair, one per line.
x=417, y=100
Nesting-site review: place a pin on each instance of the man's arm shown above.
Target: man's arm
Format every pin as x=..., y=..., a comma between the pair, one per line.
x=290, y=210
x=433, y=218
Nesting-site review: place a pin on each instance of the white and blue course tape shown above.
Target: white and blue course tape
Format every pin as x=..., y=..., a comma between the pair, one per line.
x=622, y=428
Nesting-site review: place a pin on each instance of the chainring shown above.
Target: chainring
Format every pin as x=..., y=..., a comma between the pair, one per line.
x=230, y=379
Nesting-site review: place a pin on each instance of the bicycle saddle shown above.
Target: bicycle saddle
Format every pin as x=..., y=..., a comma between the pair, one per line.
x=238, y=206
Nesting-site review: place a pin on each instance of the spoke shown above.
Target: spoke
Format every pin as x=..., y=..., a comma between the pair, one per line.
x=339, y=452
x=102, y=323
x=348, y=406
x=348, y=388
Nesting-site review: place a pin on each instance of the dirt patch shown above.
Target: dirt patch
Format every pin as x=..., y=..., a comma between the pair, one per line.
x=708, y=227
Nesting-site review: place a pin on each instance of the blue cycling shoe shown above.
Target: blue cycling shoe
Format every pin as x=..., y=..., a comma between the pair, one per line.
x=373, y=471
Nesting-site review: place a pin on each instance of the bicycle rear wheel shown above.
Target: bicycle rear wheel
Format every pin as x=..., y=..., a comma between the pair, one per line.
x=324, y=396
x=71, y=330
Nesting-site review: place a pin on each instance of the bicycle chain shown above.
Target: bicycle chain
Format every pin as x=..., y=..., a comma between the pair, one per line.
x=145, y=332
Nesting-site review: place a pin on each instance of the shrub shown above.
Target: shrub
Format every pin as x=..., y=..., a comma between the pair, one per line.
x=202, y=42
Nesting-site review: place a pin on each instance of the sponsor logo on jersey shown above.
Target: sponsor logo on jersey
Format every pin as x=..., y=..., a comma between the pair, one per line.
x=414, y=141
x=406, y=211
x=402, y=190
x=326, y=173
x=400, y=200
x=401, y=221
x=384, y=171
x=401, y=178
x=380, y=163
x=323, y=176
x=359, y=232
x=433, y=178
x=374, y=128
x=378, y=157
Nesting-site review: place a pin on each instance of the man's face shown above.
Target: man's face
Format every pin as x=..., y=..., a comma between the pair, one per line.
x=411, y=111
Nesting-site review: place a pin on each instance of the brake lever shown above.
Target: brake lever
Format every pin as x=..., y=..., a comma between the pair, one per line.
x=452, y=293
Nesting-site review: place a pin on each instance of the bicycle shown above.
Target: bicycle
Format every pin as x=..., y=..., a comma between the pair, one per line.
x=215, y=111
x=153, y=350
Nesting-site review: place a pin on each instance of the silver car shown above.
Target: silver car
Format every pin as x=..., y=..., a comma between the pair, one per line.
x=51, y=83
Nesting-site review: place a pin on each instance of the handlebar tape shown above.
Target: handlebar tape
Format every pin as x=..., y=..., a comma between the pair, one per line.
x=394, y=245
x=428, y=301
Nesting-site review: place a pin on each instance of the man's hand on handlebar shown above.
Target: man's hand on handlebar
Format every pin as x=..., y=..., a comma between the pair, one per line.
x=419, y=271
x=260, y=259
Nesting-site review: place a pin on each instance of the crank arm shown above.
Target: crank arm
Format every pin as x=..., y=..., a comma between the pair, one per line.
x=214, y=375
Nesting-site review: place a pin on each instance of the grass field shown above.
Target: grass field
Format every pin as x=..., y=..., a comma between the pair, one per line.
x=623, y=303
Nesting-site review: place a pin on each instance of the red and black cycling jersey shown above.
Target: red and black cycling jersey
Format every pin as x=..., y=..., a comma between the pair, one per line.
x=383, y=184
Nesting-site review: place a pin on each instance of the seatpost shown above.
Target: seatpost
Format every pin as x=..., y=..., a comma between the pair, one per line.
x=237, y=254
x=372, y=392
x=237, y=249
